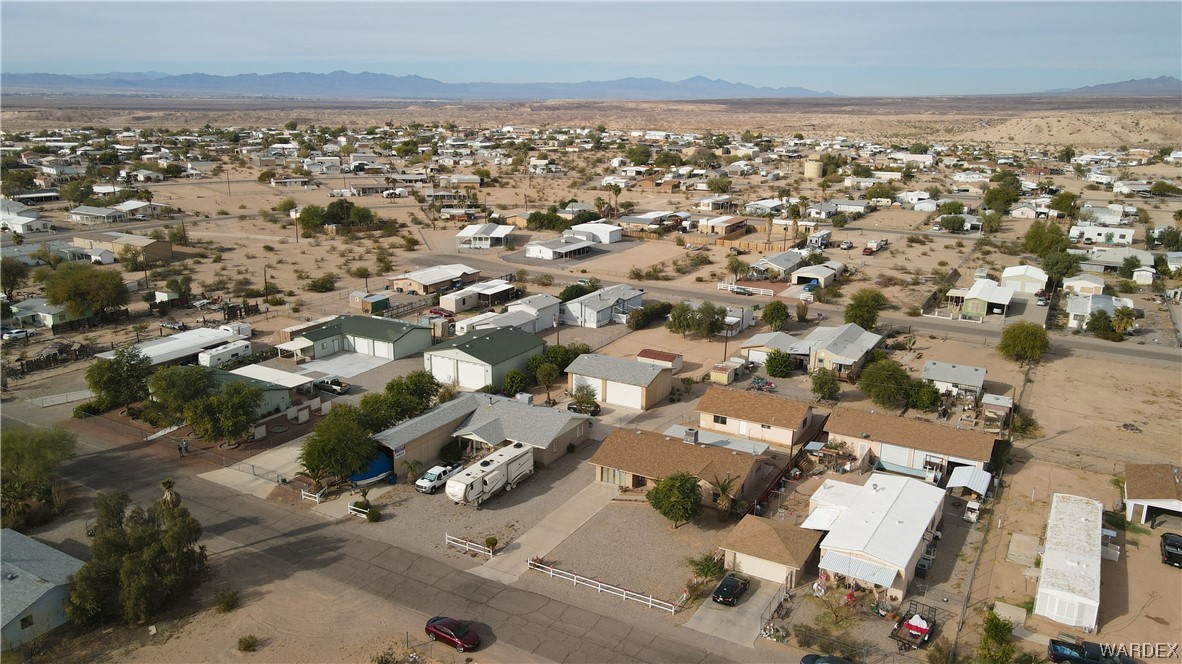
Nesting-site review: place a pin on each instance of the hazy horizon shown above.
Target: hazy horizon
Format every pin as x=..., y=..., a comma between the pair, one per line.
x=849, y=48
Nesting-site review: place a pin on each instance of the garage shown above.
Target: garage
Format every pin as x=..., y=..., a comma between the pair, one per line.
x=444, y=369
x=758, y=567
x=361, y=344
x=471, y=374
x=595, y=383
x=759, y=356
x=629, y=396
x=770, y=549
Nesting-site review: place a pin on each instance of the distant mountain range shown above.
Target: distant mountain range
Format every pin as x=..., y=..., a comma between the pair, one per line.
x=366, y=85
x=1162, y=85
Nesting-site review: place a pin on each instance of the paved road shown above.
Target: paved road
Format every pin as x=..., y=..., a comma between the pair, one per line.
x=239, y=528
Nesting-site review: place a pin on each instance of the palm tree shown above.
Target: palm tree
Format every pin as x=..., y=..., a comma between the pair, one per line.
x=1123, y=319
x=725, y=486
x=412, y=466
x=769, y=217
x=614, y=190
x=170, y=498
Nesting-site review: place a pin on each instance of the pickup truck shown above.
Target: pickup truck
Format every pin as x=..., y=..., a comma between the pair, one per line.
x=1086, y=652
x=437, y=477
x=332, y=384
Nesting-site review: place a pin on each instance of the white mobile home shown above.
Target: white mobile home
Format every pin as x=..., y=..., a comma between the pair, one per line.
x=1069, y=586
x=216, y=357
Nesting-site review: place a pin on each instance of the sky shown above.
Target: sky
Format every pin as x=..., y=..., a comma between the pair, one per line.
x=851, y=48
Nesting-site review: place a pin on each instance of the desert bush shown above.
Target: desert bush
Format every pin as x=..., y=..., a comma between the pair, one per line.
x=225, y=600
x=248, y=643
x=491, y=542
x=373, y=515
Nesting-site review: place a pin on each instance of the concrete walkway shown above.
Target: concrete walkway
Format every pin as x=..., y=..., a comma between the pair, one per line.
x=508, y=565
x=67, y=397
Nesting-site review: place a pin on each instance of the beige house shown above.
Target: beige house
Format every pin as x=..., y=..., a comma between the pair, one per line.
x=434, y=279
x=1084, y=284
x=115, y=242
x=634, y=459
x=620, y=382
x=781, y=422
x=907, y=446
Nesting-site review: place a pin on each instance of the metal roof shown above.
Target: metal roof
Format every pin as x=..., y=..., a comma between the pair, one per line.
x=864, y=570
x=181, y=344
x=956, y=374
x=1071, y=550
x=492, y=346
x=285, y=379
x=887, y=519
x=972, y=477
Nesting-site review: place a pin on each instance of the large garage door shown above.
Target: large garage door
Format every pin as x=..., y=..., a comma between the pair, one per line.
x=444, y=369
x=383, y=349
x=629, y=396
x=595, y=384
x=471, y=375
x=894, y=454
x=758, y=567
x=362, y=345
x=757, y=356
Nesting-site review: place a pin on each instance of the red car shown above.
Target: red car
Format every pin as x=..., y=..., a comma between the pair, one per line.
x=442, y=312
x=452, y=632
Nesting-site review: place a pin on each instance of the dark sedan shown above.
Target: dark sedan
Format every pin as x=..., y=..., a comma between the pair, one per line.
x=576, y=407
x=452, y=632
x=730, y=589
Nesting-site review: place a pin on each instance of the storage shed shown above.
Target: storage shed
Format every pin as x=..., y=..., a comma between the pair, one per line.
x=1069, y=588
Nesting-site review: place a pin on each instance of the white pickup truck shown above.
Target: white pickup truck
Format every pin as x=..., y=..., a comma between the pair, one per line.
x=437, y=477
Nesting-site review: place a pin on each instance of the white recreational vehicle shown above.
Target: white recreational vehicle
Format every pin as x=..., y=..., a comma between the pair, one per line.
x=502, y=469
x=216, y=357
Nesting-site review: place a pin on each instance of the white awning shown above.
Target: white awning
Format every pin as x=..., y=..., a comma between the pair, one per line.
x=822, y=518
x=296, y=344
x=971, y=476
x=863, y=570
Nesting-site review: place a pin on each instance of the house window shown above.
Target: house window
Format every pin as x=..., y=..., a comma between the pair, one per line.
x=720, y=419
x=765, y=426
x=26, y=622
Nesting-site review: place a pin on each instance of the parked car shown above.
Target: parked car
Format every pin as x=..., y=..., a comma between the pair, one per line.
x=452, y=632
x=173, y=324
x=823, y=659
x=743, y=290
x=846, y=244
x=1171, y=549
x=16, y=334
x=937, y=228
x=332, y=384
x=810, y=287
x=730, y=589
x=1086, y=652
x=574, y=407
x=442, y=312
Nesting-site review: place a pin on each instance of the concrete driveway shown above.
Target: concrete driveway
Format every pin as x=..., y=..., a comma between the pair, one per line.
x=345, y=364
x=737, y=624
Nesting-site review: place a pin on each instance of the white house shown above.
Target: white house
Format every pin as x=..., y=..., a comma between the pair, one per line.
x=1144, y=275
x=86, y=214
x=1069, y=583
x=482, y=357
x=483, y=236
x=621, y=382
x=955, y=379
x=1084, y=284
x=545, y=308
x=1080, y=308
x=481, y=294
x=1101, y=235
x=559, y=248
x=602, y=306
x=595, y=231
x=781, y=264
x=876, y=532
x=1023, y=279
x=824, y=274
x=759, y=346
x=715, y=202
x=36, y=583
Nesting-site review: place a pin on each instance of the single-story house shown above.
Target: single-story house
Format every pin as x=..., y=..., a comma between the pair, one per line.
x=35, y=578
x=770, y=549
x=1102, y=234
x=522, y=320
x=756, y=416
x=544, y=308
x=1109, y=259
x=1023, y=279
x=1084, y=284
x=907, y=446
x=1069, y=580
x=875, y=533
x=778, y=265
x=598, y=232
x=15, y=214
x=644, y=220
x=722, y=225
x=24, y=225
x=842, y=349
x=87, y=214
x=37, y=311
x=1155, y=487
x=849, y=206
x=1081, y=307
x=483, y=294
x=276, y=397
x=560, y=248
x=370, y=303
x=959, y=380
x=660, y=358
x=603, y=306
x=632, y=458
x=481, y=357
x=621, y=382
x=986, y=296
x=387, y=338
x=139, y=208
x=150, y=249
x=434, y=279
x=1143, y=276
x=483, y=236
x=716, y=202
x=759, y=346
x=766, y=206
x=824, y=274
x=183, y=347
x=485, y=421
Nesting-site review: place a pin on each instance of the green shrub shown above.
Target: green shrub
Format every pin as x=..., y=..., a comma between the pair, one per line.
x=571, y=448
x=706, y=566
x=225, y=600
x=95, y=406
x=491, y=542
x=248, y=643
x=804, y=636
x=450, y=452
x=373, y=515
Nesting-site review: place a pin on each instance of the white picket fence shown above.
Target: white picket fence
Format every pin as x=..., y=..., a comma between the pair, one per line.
x=732, y=287
x=623, y=593
x=318, y=496
x=362, y=512
x=467, y=545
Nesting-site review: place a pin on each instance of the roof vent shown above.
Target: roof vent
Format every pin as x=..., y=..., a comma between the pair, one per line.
x=518, y=446
x=10, y=576
x=865, y=435
x=485, y=464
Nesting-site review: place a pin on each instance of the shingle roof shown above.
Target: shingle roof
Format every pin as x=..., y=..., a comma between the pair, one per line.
x=957, y=374
x=849, y=340
x=775, y=340
x=493, y=346
x=36, y=569
x=1150, y=481
x=628, y=372
x=907, y=432
x=754, y=407
x=450, y=413
x=497, y=419
x=774, y=540
x=654, y=456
